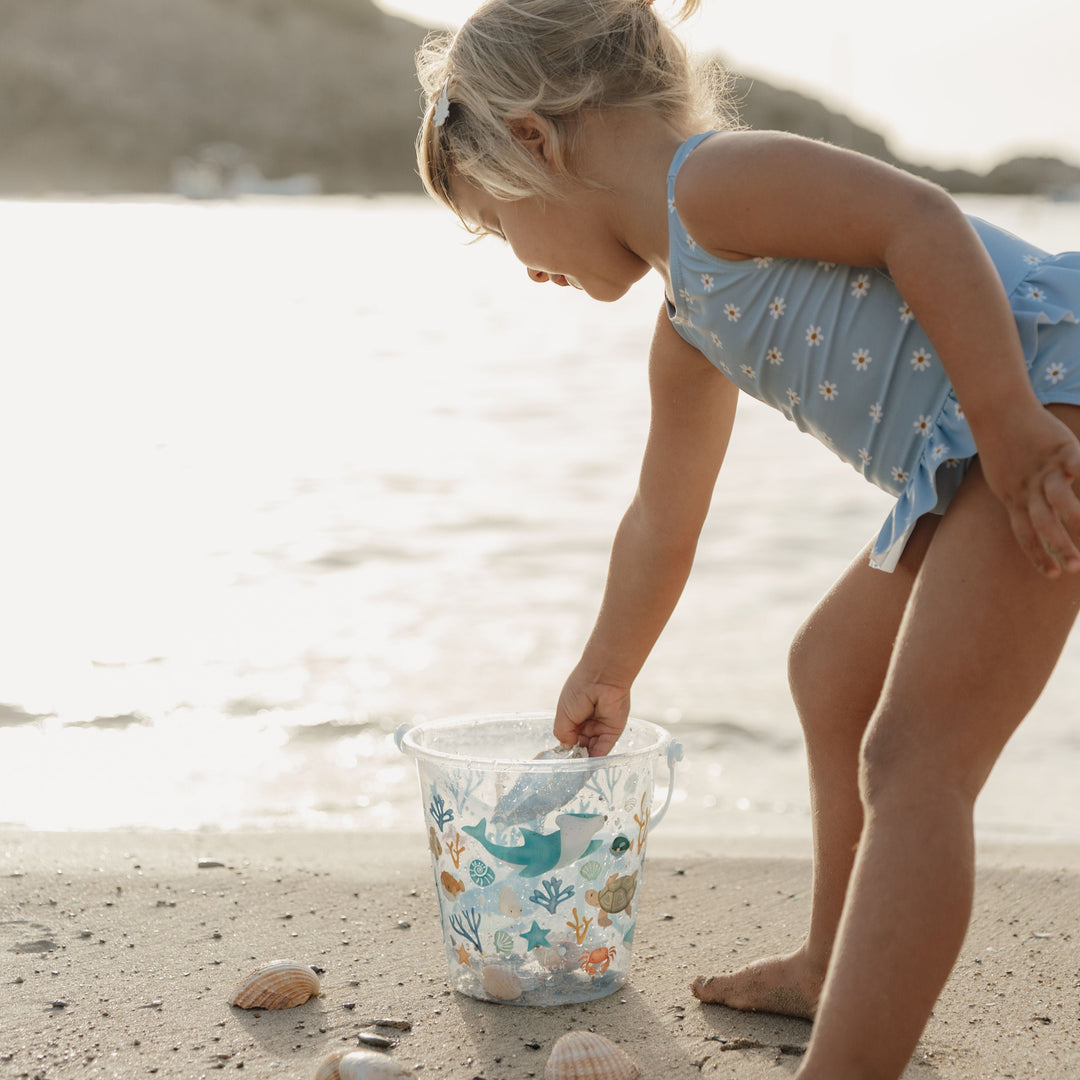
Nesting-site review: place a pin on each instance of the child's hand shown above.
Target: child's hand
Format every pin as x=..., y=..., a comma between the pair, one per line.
x=591, y=714
x=1032, y=470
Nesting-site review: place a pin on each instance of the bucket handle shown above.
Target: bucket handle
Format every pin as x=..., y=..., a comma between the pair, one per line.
x=674, y=754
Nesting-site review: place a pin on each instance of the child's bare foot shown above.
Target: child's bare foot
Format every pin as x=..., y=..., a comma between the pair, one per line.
x=780, y=984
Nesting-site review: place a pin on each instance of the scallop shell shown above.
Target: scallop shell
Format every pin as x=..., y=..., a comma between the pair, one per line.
x=591, y=870
x=361, y=1065
x=500, y=982
x=281, y=984
x=504, y=943
x=583, y=1055
x=328, y=1067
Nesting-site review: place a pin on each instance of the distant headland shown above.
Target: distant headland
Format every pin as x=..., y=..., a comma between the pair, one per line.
x=209, y=97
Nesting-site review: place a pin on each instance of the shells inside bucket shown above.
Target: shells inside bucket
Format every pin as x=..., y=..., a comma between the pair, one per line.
x=583, y=1055
x=281, y=984
x=360, y=1065
x=500, y=982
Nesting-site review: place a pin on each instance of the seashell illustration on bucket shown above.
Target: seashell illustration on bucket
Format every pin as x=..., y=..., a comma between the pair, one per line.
x=538, y=854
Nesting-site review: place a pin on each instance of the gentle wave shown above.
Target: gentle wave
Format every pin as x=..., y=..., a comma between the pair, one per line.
x=292, y=474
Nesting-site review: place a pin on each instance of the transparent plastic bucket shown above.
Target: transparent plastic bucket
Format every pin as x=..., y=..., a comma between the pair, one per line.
x=538, y=864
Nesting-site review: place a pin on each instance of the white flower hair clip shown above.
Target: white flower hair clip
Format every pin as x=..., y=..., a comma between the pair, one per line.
x=442, y=106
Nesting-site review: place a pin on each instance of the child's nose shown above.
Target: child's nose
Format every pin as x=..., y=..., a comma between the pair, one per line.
x=538, y=275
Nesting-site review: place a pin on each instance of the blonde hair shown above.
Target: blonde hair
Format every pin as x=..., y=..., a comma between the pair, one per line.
x=552, y=59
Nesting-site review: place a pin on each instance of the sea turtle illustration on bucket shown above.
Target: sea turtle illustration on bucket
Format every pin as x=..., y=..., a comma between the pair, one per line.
x=613, y=897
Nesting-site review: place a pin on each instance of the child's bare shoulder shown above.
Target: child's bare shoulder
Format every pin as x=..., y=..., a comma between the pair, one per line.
x=773, y=193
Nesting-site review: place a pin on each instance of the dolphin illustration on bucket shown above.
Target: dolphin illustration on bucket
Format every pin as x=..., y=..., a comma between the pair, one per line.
x=538, y=854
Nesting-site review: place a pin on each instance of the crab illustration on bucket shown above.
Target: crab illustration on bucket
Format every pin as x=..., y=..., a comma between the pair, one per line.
x=538, y=854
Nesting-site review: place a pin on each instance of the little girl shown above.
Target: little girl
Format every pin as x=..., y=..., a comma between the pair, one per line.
x=936, y=354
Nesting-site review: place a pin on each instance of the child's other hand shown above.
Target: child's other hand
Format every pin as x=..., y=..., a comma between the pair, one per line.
x=1032, y=470
x=591, y=714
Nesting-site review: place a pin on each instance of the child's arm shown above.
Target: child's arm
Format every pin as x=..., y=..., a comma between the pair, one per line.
x=762, y=193
x=693, y=408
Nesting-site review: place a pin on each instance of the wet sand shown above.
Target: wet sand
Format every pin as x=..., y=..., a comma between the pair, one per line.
x=120, y=953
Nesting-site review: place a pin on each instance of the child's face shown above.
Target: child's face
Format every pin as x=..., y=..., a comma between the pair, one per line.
x=565, y=241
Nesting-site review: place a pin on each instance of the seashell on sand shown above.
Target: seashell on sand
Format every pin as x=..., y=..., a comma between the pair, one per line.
x=361, y=1065
x=583, y=1055
x=328, y=1067
x=281, y=984
x=500, y=982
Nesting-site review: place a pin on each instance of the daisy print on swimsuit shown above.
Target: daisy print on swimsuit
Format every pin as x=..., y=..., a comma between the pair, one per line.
x=861, y=359
x=774, y=356
x=1055, y=372
x=860, y=286
x=922, y=426
x=777, y=307
x=920, y=359
x=906, y=314
x=814, y=336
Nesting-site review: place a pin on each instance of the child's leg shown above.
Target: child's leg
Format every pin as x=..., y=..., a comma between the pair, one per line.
x=836, y=669
x=981, y=635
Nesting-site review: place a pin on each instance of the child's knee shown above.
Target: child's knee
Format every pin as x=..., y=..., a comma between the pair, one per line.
x=804, y=672
x=828, y=687
x=900, y=767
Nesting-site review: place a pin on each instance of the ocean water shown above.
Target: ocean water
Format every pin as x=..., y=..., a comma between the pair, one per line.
x=280, y=476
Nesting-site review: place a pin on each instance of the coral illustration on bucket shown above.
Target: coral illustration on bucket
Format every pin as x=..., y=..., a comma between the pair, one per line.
x=538, y=855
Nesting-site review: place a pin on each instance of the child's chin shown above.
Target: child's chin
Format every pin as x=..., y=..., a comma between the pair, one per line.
x=606, y=293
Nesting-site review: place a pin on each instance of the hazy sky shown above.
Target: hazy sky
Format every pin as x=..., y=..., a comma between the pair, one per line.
x=948, y=82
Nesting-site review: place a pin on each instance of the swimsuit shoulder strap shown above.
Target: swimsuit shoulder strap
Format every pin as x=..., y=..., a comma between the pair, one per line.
x=684, y=151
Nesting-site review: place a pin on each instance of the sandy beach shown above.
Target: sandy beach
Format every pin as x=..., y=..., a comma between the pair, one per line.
x=122, y=949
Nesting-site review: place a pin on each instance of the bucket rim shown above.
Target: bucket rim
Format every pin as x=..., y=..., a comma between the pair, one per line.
x=407, y=744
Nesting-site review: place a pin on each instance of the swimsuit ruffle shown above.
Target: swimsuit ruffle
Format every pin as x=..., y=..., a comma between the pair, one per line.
x=1046, y=305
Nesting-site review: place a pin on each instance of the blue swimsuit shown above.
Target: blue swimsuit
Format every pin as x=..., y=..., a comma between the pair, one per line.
x=838, y=351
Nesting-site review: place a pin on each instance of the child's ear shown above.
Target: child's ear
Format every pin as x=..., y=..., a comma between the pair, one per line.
x=534, y=135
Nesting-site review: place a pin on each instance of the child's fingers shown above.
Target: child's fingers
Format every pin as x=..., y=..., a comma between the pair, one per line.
x=603, y=746
x=565, y=730
x=1026, y=522
x=1047, y=542
x=1056, y=517
x=1064, y=503
x=1031, y=544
